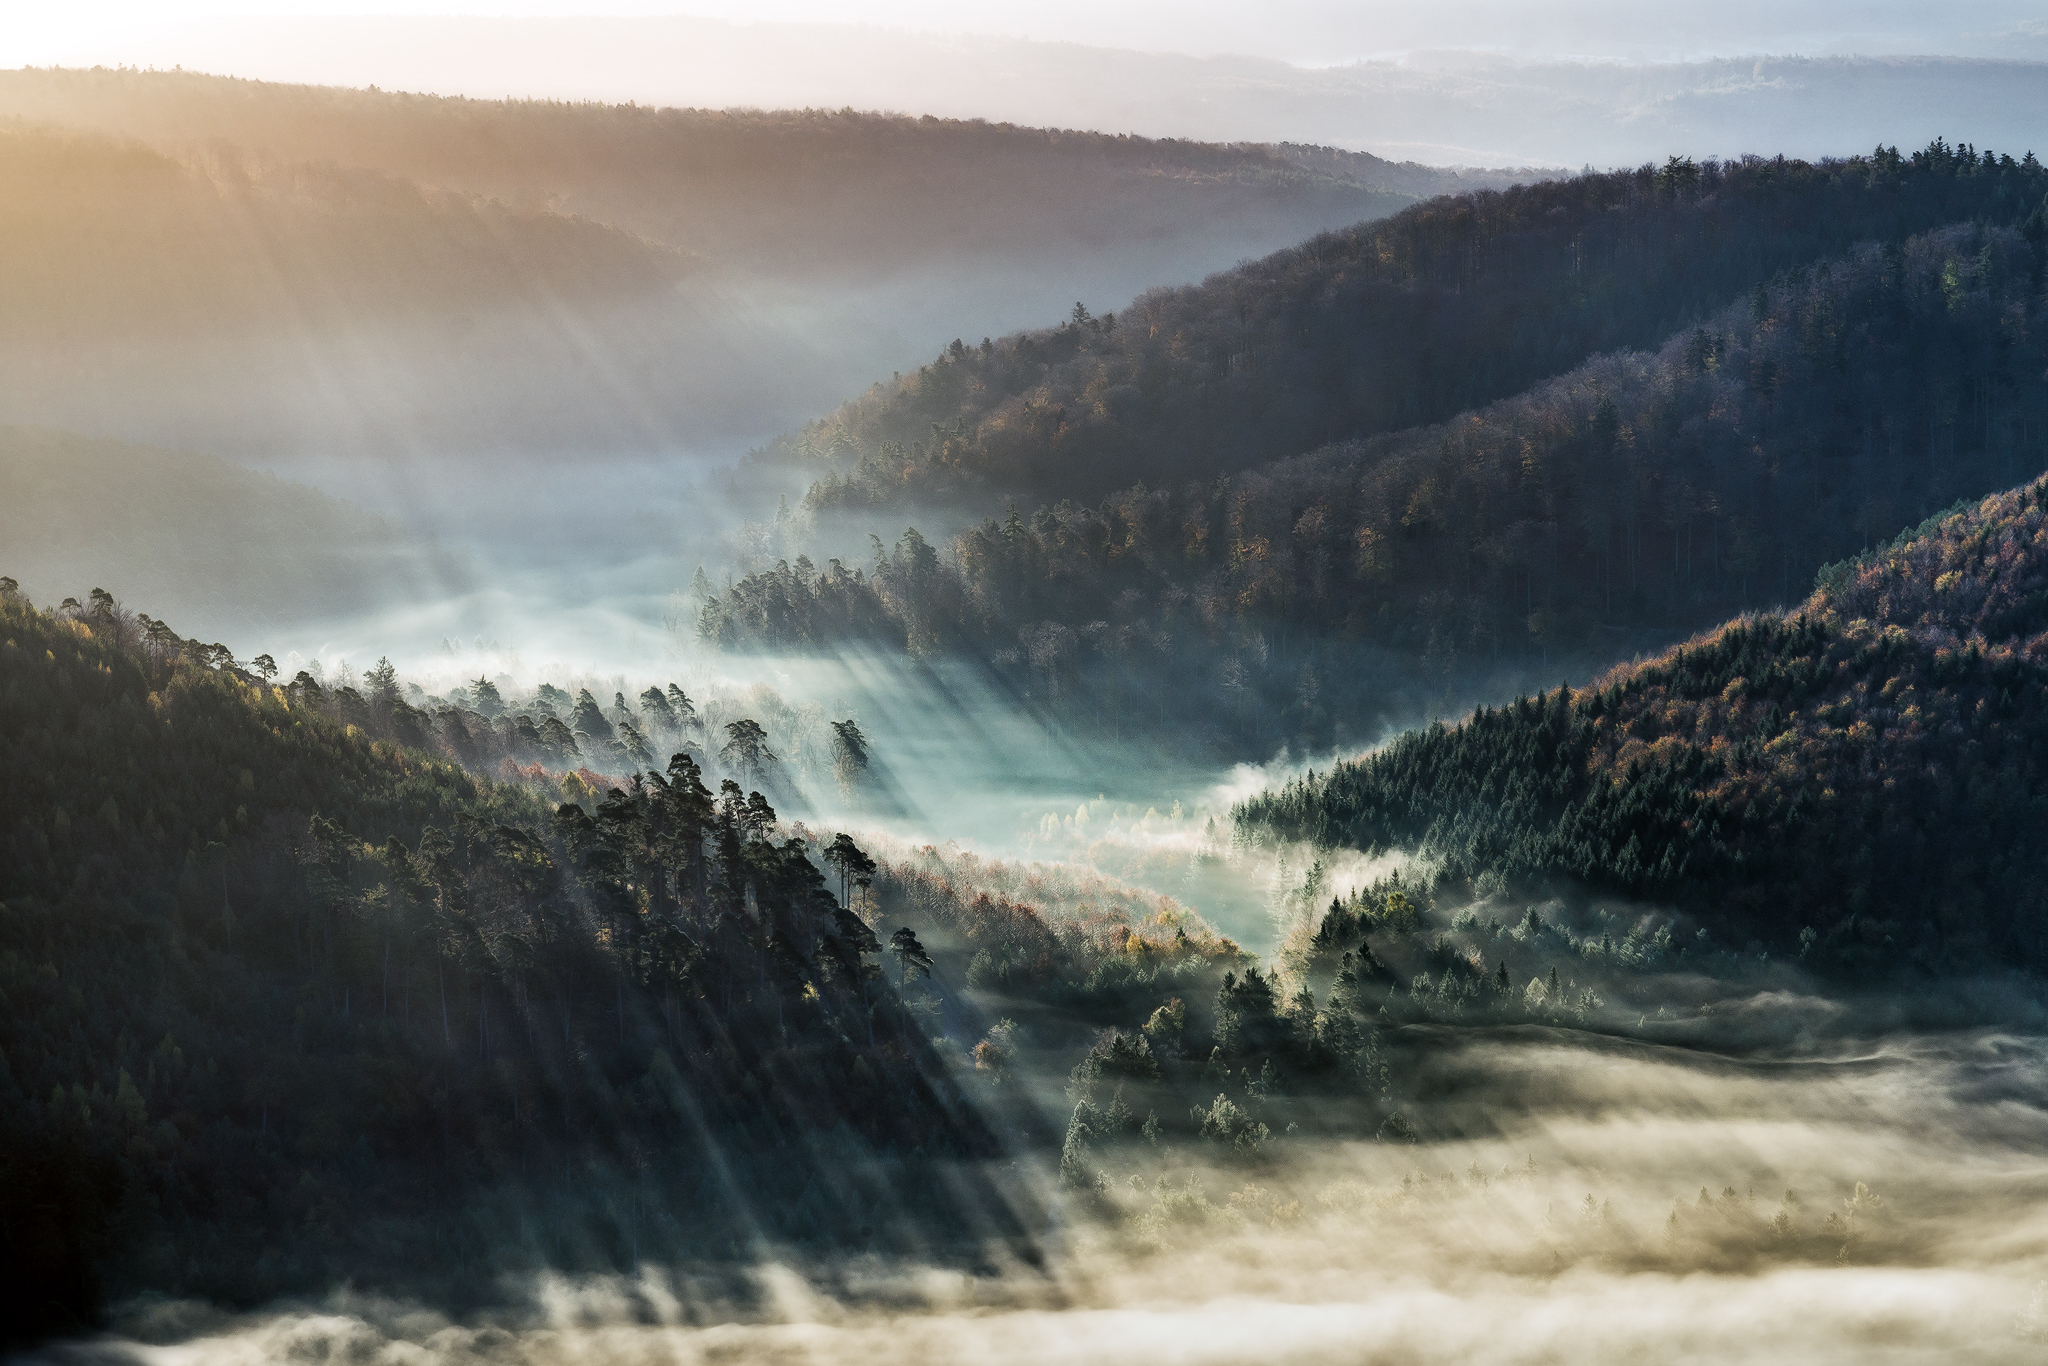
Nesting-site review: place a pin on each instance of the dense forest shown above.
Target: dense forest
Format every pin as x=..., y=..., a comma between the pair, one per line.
x=1445, y=306
x=297, y=995
x=1859, y=783
x=315, y=976
x=289, y=1005
x=1635, y=498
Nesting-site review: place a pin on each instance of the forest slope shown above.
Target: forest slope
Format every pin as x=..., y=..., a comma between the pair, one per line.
x=1862, y=782
x=1443, y=307
x=1636, y=498
x=289, y=1007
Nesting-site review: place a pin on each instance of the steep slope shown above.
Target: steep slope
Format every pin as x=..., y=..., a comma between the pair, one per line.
x=1863, y=781
x=1443, y=307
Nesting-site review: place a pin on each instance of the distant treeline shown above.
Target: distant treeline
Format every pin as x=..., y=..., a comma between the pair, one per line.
x=798, y=192
x=1638, y=496
x=1860, y=784
x=1447, y=305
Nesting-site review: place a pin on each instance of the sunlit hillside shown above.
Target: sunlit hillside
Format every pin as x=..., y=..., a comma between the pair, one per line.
x=369, y=271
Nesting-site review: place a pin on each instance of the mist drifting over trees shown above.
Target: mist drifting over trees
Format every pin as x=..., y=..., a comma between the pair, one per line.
x=1370, y=758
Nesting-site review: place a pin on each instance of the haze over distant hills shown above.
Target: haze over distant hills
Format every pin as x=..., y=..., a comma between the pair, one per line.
x=1617, y=91
x=363, y=271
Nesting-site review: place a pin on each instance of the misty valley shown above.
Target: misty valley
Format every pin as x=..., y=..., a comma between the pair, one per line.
x=629, y=736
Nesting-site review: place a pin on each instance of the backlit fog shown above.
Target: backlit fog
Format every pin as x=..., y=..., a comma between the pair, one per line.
x=357, y=379
x=1866, y=1201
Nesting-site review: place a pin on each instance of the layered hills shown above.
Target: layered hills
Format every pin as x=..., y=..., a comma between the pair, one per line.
x=364, y=272
x=1638, y=497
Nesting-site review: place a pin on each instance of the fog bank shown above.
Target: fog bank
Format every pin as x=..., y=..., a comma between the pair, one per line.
x=1880, y=1203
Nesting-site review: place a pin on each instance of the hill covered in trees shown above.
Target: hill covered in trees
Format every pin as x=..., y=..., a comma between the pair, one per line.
x=109, y=236
x=289, y=1005
x=1860, y=782
x=1637, y=497
x=801, y=193
x=1445, y=306
x=358, y=270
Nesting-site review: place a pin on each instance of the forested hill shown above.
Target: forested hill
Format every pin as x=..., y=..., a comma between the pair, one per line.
x=360, y=272
x=1862, y=782
x=218, y=303
x=110, y=238
x=288, y=1007
x=1443, y=307
x=1618, y=507
x=801, y=193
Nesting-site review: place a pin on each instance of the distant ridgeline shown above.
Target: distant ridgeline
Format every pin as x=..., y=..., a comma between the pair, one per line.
x=1862, y=782
x=802, y=193
x=1640, y=496
x=289, y=1006
x=1446, y=305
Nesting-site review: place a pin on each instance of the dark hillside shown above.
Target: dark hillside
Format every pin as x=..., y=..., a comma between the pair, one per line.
x=1863, y=781
x=1445, y=306
x=288, y=1007
x=1633, y=500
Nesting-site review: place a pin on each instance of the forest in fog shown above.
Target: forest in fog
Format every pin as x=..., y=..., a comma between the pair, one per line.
x=1449, y=760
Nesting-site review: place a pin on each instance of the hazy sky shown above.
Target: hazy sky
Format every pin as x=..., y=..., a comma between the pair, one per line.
x=1308, y=32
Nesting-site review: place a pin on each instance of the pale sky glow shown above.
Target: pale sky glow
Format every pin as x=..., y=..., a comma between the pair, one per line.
x=1305, y=32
